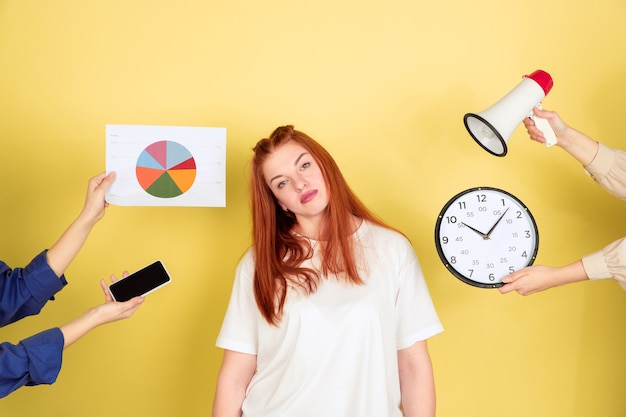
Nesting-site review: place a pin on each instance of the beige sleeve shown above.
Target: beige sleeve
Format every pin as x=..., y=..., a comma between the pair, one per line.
x=609, y=262
x=608, y=169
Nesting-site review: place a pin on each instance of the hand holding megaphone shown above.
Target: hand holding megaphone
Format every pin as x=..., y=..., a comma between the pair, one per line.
x=543, y=131
x=493, y=127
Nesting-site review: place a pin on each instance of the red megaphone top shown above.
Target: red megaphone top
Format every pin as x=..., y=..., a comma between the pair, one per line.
x=543, y=79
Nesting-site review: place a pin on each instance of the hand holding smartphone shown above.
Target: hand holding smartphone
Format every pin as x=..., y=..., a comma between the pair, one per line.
x=140, y=283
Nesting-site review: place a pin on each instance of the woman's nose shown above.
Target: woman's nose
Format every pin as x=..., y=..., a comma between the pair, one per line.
x=300, y=185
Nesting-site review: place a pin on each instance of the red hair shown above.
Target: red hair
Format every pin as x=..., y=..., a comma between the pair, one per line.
x=278, y=252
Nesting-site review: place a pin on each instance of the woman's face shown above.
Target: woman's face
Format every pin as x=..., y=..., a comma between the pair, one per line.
x=297, y=181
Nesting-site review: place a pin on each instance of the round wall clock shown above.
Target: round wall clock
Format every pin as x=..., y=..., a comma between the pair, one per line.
x=483, y=234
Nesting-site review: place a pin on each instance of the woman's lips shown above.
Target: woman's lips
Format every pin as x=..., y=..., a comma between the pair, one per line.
x=308, y=196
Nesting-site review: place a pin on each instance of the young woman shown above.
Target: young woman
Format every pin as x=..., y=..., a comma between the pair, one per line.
x=329, y=313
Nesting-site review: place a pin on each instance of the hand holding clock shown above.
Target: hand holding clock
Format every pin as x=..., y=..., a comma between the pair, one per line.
x=537, y=278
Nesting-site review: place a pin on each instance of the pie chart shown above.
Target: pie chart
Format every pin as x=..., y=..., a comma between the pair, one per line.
x=166, y=169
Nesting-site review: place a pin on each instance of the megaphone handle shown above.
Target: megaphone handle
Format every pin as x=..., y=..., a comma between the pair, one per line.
x=546, y=129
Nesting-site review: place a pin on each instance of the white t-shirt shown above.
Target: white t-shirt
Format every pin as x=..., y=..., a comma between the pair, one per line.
x=334, y=353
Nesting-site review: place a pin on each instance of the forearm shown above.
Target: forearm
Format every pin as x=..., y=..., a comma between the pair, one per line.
x=79, y=327
x=579, y=145
x=104, y=313
x=568, y=274
x=64, y=250
x=417, y=382
x=232, y=383
x=421, y=402
x=228, y=400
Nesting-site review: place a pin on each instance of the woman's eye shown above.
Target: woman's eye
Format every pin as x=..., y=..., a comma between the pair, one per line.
x=306, y=165
x=281, y=184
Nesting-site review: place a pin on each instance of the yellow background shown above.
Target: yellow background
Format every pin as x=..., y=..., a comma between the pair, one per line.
x=384, y=86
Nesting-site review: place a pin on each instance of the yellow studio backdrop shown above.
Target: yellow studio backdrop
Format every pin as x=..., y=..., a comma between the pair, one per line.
x=384, y=86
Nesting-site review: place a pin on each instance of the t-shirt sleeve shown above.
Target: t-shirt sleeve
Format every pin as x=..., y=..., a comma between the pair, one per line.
x=238, y=332
x=416, y=315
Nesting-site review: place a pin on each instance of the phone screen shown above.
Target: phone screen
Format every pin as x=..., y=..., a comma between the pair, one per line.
x=141, y=282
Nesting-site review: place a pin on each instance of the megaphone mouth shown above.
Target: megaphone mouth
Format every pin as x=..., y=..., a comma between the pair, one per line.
x=485, y=134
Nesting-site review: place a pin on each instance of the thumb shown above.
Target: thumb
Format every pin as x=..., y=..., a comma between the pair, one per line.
x=108, y=180
x=105, y=182
x=506, y=288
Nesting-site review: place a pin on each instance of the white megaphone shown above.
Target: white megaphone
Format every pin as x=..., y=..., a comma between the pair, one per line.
x=493, y=127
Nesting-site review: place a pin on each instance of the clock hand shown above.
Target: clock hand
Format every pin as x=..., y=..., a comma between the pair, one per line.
x=484, y=236
x=494, y=226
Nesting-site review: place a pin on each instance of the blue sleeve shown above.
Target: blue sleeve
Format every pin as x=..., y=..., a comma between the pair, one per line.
x=24, y=291
x=34, y=361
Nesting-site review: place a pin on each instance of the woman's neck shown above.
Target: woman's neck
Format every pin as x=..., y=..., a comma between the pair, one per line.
x=308, y=229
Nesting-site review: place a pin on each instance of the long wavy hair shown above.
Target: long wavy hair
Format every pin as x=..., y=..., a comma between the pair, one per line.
x=278, y=252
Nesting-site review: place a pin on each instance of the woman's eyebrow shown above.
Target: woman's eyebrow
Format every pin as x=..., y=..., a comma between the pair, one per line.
x=300, y=157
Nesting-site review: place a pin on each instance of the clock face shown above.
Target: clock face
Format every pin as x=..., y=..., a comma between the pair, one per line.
x=483, y=234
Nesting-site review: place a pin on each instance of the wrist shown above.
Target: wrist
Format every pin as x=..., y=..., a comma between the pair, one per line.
x=573, y=272
x=78, y=327
x=566, y=137
x=583, y=148
x=94, y=317
x=86, y=221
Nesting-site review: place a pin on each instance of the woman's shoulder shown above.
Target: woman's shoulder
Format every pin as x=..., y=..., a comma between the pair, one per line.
x=246, y=262
x=383, y=234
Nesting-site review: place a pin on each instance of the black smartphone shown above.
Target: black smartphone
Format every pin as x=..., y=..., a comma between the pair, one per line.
x=140, y=283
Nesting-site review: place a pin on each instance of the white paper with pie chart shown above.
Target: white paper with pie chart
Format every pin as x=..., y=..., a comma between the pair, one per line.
x=167, y=165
